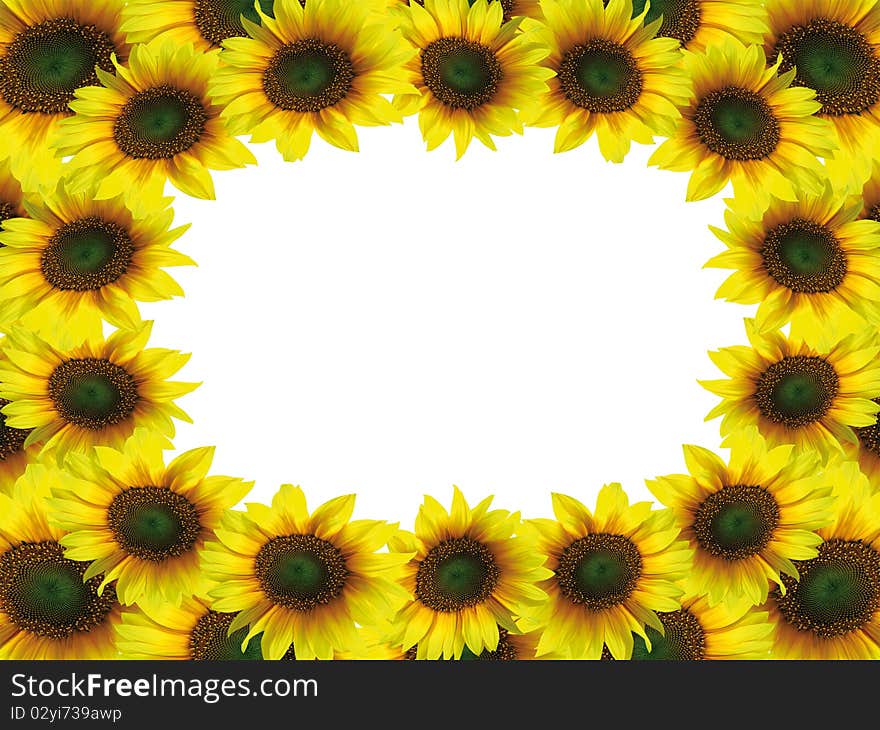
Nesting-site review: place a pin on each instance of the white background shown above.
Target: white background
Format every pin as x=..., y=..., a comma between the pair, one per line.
x=393, y=322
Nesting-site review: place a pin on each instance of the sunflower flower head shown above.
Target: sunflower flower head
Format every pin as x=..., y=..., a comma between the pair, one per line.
x=749, y=519
x=300, y=578
x=612, y=570
x=745, y=123
x=610, y=76
x=48, y=608
x=467, y=578
x=139, y=522
x=832, y=609
x=152, y=121
x=471, y=73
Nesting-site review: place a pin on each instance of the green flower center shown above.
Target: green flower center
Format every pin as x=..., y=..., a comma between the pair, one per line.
x=210, y=640
x=683, y=639
x=838, y=592
x=461, y=74
x=92, y=393
x=599, y=571
x=456, y=574
x=308, y=75
x=218, y=20
x=737, y=124
x=600, y=76
x=46, y=63
x=11, y=439
x=159, y=123
x=796, y=391
x=301, y=571
x=86, y=254
x=43, y=593
x=804, y=256
x=736, y=522
x=681, y=18
x=834, y=59
x=154, y=523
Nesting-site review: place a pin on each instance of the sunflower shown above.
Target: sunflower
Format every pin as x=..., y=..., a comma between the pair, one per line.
x=810, y=262
x=746, y=124
x=471, y=73
x=93, y=394
x=192, y=631
x=611, y=571
x=700, y=631
x=832, y=47
x=833, y=610
x=697, y=24
x=302, y=579
x=142, y=524
x=468, y=578
x=205, y=24
x=611, y=76
x=48, y=50
x=48, y=609
x=748, y=520
x=79, y=260
x=11, y=195
x=320, y=68
x=795, y=392
x=153, y=121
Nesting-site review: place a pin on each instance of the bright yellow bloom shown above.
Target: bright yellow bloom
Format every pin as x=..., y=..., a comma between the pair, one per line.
x=698, y=24
x=48, y=609
x=14, y=455
x=832, y=46
x=92, y=394
x=154, y=120
x=833, y=610
x=79, y=261
x=795, y=392
x=48, y=50
x=870, y=195
x=612, y=570
x=302, y=579
x=471, y=73
x=468, y=576
x=11, y=195
x=810, y=263
x=749, y=519
x=320, y=68
x=611, y=76
x=748, y=125
x=141, y=523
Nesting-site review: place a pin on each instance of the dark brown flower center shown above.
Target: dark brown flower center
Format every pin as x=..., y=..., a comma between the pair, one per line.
x=796, y=391
x=159, y=123
x=599, y=571
x=736, y=522
x=804, y=256
x=11, y=439
x=460, y=73
x=600, y=76
x=683, y=639
x=456, y=574
x=681, y=18
x=308, y=76
x=218, y=20
x=737, y=124
x=93, y=393
x=210, y=640
x=869, y=436
x=86, y=254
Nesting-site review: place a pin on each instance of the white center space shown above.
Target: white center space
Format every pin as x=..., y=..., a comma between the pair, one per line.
x=393, y=322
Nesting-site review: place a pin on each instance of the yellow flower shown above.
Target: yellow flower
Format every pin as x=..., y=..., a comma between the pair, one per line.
x=831, y=46
x=870, y=195
x=611, y=76
x=152, y=121
x=809, y=262
x=749, y=519
x=701, y=631
x=204, y=24
x=302, y=579
x=11, y=195
x=93, y=394
x=833, y=610
x=796, y=392
x=320, y=68
x=746, y=124
x=612, y=571
x=48, y=50
x=79, y=261
x=48, y=609
x=471, y=73
x=698, y=24
x=511, y=8
x=141, y=523
x=468, y=576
